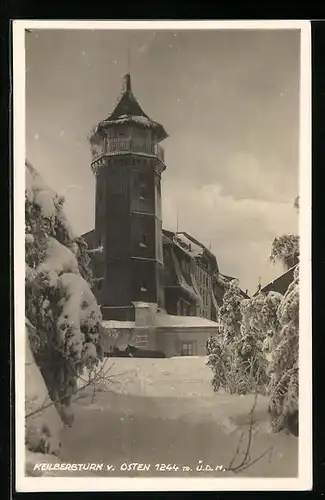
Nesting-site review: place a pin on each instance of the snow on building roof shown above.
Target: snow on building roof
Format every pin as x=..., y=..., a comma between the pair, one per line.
x=223, y=280
x=127, y=104
x=113, y=324
x=164, y=320
x=228, y=278
x=167, y=240
x=189, y=245
x=181, y=280
x=128, y=110
x=195, y=249
x=141, y=120
x=142, y=304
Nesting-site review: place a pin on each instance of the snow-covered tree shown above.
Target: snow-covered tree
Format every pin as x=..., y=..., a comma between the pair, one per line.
x=285, y=249
x=284, y=368
x=59, y=301
x=259, y=327
x=228, y=353
x=240, y=356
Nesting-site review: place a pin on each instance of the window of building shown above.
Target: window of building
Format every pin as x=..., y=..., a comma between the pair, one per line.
x=141, y=340
x=143, y=286
x=184, y=308
x=188, y=349
x=143, y=187
x=143, y=192
x=144, y=240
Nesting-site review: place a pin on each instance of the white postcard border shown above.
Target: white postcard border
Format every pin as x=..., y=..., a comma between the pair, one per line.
x=56, y=484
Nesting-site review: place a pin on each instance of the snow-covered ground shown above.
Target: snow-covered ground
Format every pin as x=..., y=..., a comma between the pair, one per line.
x=165, y=377
x=165, y=411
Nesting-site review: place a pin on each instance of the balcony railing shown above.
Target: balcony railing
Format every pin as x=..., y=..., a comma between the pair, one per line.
x=131, y=145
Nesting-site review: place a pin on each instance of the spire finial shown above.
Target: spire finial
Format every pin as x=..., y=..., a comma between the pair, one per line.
x=127, y=83
x=127, y=77
x=129, y=61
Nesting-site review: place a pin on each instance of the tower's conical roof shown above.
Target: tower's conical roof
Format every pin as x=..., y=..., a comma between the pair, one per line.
x=129, y=110
x=127, y=105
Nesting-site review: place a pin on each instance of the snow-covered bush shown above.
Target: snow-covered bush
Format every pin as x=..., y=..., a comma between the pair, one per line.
x=257, y=350
x=284, y=368
x=232, y=359
x=240, y=355
x=59, y=301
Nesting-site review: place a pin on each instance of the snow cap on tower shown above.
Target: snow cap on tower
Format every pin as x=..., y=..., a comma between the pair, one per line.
x=129, y=110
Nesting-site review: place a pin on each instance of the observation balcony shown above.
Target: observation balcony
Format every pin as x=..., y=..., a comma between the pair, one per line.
x=115, y=146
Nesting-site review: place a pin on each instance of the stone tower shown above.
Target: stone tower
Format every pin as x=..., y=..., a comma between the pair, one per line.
x=128, y=161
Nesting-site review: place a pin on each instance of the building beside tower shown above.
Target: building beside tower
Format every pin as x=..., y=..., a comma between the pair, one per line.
x=146, y=277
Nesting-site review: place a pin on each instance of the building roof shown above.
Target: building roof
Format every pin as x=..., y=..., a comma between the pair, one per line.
x=127, y=105
x=128, y=110
x=189, y=245
x=280, y=284
x=223, y=279
x=163, y=320
x=89, y=237
x=117, y=325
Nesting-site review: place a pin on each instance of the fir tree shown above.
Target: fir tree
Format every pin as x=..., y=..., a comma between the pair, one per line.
x=229, y=354
x=59, y=302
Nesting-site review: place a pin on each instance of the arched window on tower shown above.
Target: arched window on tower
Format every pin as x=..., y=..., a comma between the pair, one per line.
x=143, y=187
x=144, y=240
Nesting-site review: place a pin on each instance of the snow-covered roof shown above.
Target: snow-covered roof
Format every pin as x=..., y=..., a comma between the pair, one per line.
x=195, y=249
x=128, y=110
x=142, y=304
x=182, y=281
x=281, y=283
x=113, y=324
x=141, y=120
x=189, y=245
x=164, y=320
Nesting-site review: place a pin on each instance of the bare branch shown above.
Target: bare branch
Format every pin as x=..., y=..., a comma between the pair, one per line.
x=92, y=381
x=246, y=461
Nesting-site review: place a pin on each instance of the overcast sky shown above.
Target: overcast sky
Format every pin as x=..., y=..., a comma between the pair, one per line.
x=229, y=101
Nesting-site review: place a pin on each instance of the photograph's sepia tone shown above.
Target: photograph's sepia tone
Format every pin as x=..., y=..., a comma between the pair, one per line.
x=162, y=256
